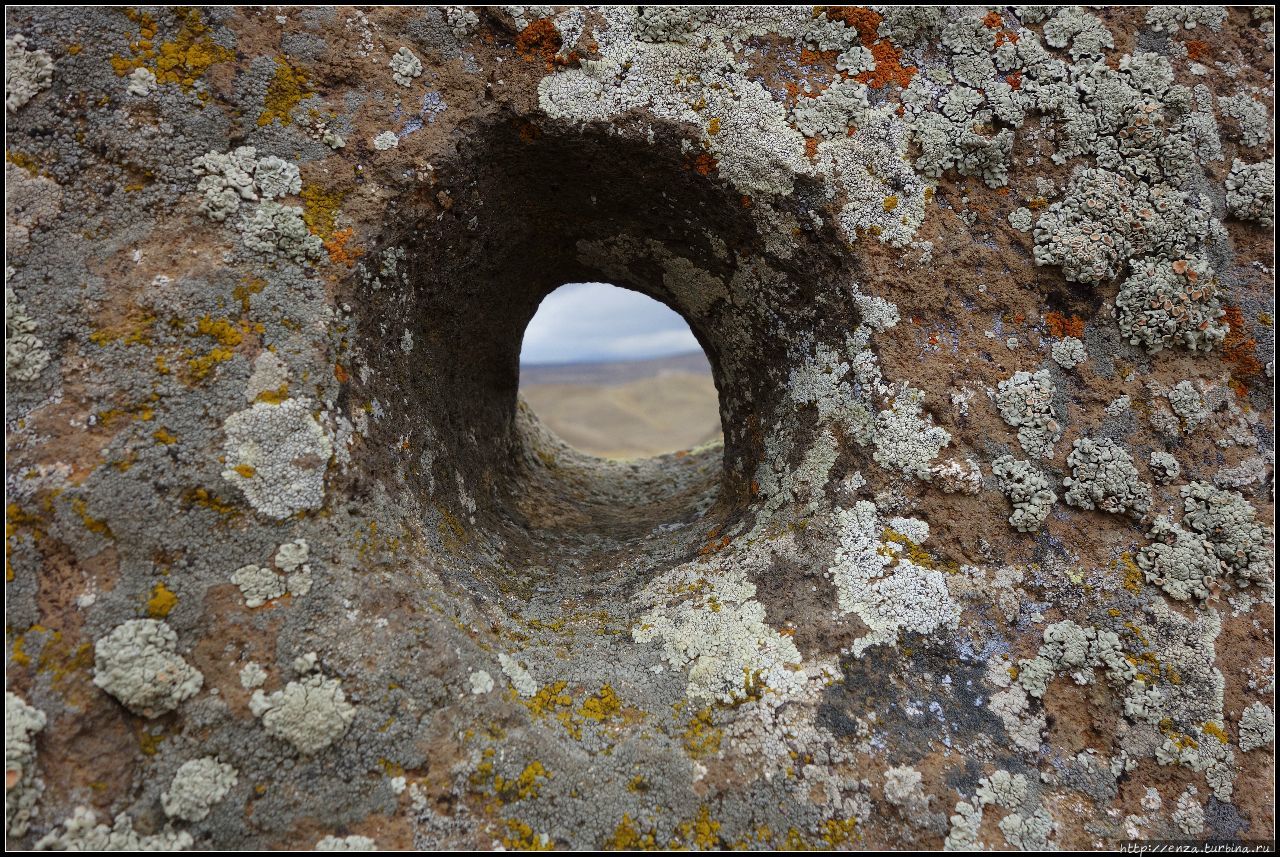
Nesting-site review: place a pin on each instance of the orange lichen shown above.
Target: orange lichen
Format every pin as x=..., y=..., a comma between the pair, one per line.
x=1060, y=325
x=1240, y=350
x=704, y=164
x=540, y=39
x=1014, y=79
x=811, y=57
x=1198, y=51
x=862, y=19
x=889, y=68
x=339, y=252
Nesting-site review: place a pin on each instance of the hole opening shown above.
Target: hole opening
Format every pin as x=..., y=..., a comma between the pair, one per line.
x=616, y=374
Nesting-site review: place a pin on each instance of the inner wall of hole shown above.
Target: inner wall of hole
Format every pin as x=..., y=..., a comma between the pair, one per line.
x=466, y=283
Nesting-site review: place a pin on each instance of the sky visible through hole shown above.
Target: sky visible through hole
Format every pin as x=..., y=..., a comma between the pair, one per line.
x=597, y=322
x=617, y=374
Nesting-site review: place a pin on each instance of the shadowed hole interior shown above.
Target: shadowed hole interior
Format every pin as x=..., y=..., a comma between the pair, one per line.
x=443, y=306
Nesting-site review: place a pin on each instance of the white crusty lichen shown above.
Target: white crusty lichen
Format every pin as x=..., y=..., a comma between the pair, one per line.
x=1021, y=219
x=229, y=178
x=353, y=842
x=405, y=66
x=1165, y=303
x=81, y=832
x=521, y=679
x=1069, y=352
x=1025, y=401
x=252, y=675
x=1028, y=490
x=386, y=140
x=277, y=455
x=1251, y=191
x=1218, y=534
x=26, y=72
x=310, y=713
x=138, y=664
x=1003, y=789
x=875, y=578
x=1164, y=466
x=716, y=628
x=1188, y=812
x=1105, y=219
x=291, y=558
x=1173, y=18
x=226, y=179
x=24, y=354
x=1104, y=477
x=906, y=439
x=1253, y=116
x=142, y=82
x=904, y=788
x=22, y=787
x=258, y=584
x=196, y=787
x=277, y=177
x=481, y=682
x=1257, y=727
x=280, y=230
x=1079, y=650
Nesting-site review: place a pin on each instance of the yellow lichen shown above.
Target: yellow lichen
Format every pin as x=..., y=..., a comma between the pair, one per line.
x=161, y=602
x=286, y=90
x=701, y=737
x=274, y=397
x=320, y=208
x=626, y=837
x=183, y=60
x=163, y=435
x=92, y=524
x=701, y=832
x=602, y=705
x=522, y=838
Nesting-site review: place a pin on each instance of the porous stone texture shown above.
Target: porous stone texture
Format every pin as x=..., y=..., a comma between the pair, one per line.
x=291, y=565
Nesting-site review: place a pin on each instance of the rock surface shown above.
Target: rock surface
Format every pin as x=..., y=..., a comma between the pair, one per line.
x=268, y=272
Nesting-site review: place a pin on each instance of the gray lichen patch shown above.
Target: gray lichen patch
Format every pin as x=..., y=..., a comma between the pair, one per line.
x=22, y=784
x=196, y=787
x=310, y=713
x=277, y=455
x=1104, y=477
x=275, y=268
x=139, y=665
x=1026, y=402
x=1028, y=491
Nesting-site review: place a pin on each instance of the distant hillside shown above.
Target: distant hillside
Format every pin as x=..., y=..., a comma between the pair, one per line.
x=627, y=409
x=695, y=362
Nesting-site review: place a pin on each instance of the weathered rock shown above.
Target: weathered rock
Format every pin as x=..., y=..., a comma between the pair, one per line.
x=268, y=276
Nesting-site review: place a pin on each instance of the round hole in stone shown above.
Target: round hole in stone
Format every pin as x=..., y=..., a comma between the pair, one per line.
x=439, y=306
x=617, y=374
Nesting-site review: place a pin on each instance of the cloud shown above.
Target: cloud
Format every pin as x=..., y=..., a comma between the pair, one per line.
x=591, y=322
